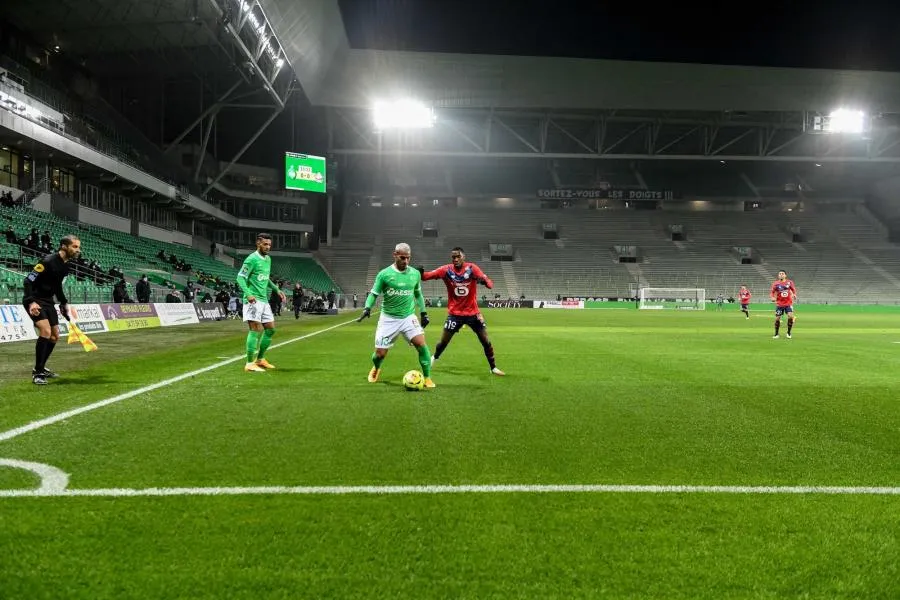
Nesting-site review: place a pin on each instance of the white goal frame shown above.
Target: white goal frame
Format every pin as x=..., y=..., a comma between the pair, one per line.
x=677, y=298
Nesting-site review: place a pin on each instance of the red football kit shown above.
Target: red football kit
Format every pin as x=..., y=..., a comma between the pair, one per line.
x=462, y=287
x=784, y=292
x=745, y=297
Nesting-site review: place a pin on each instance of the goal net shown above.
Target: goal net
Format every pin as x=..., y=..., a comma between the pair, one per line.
x=680, y=298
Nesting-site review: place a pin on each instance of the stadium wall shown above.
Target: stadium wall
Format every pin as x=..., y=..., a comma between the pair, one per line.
x=162, y=235
x=102, y=219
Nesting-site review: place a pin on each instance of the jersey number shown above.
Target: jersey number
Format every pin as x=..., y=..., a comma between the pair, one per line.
x=785, y=294
x=461, y=291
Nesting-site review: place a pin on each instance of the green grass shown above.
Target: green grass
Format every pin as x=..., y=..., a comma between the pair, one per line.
x=611, y=397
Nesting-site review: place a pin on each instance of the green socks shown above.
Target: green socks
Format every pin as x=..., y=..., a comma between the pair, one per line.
x=425, y=360
x=252, y=345
x=265, y=343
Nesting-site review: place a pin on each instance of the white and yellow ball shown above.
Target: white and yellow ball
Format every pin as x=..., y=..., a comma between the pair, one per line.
x=414, y=381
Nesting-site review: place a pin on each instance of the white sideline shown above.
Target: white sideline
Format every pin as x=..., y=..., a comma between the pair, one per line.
x=13, y=433
x=382, y=490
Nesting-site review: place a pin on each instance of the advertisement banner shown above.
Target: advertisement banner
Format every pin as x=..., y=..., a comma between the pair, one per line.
x=506, y=304
x=641, y=195
x=611, y=194
x=210, y=311
x=15, y=324
x=89, y=318
x=121, y=317
x=611, y=303
x=558, y=304
x=572, y=194
x=178, y=313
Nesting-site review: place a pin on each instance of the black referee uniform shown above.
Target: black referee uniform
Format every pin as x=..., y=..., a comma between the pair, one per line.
x=43, y=283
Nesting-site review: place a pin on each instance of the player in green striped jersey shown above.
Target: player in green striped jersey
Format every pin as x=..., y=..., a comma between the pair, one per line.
x=401, y=287
x=255, y=281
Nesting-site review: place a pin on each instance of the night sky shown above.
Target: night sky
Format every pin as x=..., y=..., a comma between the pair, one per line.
x=858, y=35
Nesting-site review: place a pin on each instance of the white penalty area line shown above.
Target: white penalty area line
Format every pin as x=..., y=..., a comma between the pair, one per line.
x=34, y=425
x=388, y=490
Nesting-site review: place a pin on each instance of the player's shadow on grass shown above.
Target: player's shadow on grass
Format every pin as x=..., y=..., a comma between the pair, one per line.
x=455, y=371
x=303, y=369
x=93, y=380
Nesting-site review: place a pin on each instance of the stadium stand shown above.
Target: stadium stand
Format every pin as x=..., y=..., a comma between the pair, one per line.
x=136, y=256
x=303, y=269
x=844, y=255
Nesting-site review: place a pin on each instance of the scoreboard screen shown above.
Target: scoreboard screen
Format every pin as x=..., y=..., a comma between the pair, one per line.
x=304, y=172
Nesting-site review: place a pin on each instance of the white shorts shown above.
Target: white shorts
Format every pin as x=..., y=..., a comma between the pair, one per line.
x=390, y=327
x=260, y=312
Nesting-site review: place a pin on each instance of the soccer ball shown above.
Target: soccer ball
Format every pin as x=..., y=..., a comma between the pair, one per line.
x=414, y=381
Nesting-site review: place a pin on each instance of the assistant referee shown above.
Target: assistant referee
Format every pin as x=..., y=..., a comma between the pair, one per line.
x=43, y=283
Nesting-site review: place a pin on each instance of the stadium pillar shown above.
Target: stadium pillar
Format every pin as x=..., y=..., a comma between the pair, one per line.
x=329, y=221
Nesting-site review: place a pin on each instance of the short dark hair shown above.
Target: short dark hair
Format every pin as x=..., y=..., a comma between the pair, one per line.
x=68, y=240
x=263, y=236
x=457, y=249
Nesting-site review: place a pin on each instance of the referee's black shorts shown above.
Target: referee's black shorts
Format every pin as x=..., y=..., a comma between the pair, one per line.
x=48, y=312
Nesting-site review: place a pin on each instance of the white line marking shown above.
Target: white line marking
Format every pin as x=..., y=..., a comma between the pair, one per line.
x=13, y=433
x=381, y=490
x=53, y=480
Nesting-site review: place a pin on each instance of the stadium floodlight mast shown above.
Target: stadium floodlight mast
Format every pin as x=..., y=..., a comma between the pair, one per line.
x=402, y=114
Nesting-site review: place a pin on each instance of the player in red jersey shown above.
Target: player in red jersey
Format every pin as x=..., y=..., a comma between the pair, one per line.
x=462, y=279
x=744, y=295
x=783, y=295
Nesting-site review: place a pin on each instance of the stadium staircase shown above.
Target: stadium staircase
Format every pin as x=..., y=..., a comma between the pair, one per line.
x=509, y=278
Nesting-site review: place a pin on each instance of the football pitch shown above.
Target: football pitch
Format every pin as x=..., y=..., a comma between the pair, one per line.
x=626, y=454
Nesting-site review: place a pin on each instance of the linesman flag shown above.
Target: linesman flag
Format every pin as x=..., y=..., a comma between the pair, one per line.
x=76, y=335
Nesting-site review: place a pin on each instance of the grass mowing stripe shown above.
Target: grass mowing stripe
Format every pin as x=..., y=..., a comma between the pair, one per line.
x=384, y=490
x=34, y=425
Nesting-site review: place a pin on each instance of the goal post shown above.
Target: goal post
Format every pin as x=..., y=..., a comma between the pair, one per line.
x=678, y=298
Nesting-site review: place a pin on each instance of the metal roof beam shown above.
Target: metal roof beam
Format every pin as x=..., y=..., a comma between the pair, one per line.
x=253, y=138
x=561, y=156
x=267, y=79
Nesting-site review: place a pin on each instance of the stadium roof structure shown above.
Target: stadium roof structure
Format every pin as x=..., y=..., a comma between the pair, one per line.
x=160, y=54
x=334, y=74
x=169, y=37
x=518, y=106
x=501, y=106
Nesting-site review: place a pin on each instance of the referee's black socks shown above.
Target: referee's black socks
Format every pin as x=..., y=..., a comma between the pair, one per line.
x=42, y=349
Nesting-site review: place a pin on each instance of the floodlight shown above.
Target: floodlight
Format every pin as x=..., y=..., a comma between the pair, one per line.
x=402, y=114
x=844, y=120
